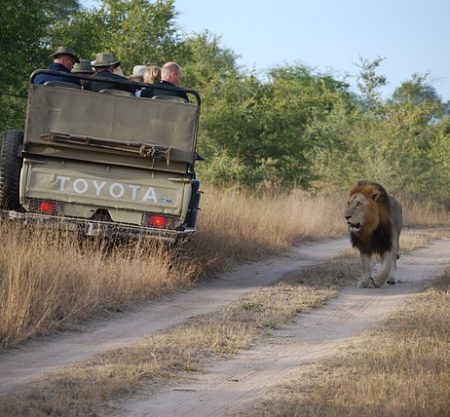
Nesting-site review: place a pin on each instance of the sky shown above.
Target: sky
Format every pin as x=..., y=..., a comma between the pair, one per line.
x=412, y=36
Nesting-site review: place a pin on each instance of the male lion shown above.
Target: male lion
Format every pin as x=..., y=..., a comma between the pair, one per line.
x=374, y=221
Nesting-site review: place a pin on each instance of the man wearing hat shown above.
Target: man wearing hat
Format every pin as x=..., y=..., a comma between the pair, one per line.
x=63, y=61
x=83, y=67
x=104, y=66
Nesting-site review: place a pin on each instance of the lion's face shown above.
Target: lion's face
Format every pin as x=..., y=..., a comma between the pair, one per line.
x=361, y=213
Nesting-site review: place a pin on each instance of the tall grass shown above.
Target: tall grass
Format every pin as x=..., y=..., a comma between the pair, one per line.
x=236, y=226
x=425, y=213
x=48, y=281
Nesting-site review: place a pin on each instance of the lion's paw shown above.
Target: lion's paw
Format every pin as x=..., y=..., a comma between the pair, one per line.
x=364, y=283
x=392, y=281
x=373, y=283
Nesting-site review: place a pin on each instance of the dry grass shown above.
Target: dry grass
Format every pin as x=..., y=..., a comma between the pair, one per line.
x=416, y=212
x=236, y=226
x=49, y=282
x=92, y=387
x=400, y=369
x=418, y=238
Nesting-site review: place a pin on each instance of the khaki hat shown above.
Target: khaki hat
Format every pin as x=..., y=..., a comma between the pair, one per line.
x=83, y=67
x=64, y=50
x=104, y=59
x=139, y=70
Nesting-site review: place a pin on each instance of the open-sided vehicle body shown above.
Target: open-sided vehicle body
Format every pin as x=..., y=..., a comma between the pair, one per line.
x=103, y=162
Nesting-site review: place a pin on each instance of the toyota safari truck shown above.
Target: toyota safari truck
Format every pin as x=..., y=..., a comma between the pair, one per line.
x=103, y=162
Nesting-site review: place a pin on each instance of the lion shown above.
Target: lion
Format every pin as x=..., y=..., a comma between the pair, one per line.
x=374, y=221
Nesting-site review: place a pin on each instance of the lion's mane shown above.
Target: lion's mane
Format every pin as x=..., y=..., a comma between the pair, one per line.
x=375, y=235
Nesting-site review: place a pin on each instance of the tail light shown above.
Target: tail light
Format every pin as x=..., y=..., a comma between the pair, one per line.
x=49, y=207
x=160, y=221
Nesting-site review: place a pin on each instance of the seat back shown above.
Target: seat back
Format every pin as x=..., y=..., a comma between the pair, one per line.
x=116, y=92
x=62, y=84
x=170, y=98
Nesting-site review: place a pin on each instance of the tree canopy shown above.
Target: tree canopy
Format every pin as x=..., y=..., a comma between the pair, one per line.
x=289, y=127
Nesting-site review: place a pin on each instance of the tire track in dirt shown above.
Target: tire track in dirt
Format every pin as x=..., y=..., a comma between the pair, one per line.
x=35, y=360
x=230, y=387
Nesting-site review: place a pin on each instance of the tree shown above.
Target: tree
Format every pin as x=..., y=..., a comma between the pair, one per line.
x=23, y=24
x=271, y=131
x=135, y=31
x=84, y=32
x=369, y=82
x=416, y=91
x=24, y=47
x=440, y=154
x=207, y=63
x=140, y=31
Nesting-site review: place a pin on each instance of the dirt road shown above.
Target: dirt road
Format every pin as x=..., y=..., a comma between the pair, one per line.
x=232, y=386
x=34, y=360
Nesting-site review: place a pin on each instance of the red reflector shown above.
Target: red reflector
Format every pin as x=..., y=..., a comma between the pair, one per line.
x=46, y=207
x=157, y=221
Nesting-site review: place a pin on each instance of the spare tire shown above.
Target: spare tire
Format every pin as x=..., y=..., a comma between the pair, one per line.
x=10, y=166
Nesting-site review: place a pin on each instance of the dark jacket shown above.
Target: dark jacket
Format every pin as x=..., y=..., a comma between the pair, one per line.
x=43, y=78
x=160, y=89
x=108, y=75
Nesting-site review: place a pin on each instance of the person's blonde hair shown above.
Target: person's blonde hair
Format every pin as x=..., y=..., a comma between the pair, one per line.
x=152, y=74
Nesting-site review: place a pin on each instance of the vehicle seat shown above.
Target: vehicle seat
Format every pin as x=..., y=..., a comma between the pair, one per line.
x=62, y=84
x=170, y=98
x=116, y=92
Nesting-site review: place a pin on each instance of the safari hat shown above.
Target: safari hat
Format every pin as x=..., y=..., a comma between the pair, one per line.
x=64, y=50
x=103, y=59
x=138, y=70
x=83, y=67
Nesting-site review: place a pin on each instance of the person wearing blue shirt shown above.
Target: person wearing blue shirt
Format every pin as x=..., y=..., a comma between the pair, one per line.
x=63, y=60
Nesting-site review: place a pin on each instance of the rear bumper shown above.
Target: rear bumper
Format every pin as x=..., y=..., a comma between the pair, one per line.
x=99, y=228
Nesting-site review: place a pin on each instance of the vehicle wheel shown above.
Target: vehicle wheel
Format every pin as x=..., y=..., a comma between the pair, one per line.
x=10, y=166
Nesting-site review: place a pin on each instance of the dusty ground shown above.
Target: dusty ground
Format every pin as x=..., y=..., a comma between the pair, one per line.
x=232, y=386
x=31, y=362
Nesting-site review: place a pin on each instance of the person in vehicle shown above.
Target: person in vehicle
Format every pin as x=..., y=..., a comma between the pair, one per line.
x=84, y=67
x=171, y=74
x=64, y=59
x=152, y=75
x=138, y=73
x=118, y=70
x=104, y=66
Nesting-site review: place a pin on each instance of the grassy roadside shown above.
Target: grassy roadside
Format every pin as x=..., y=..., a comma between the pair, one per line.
x=90, y=387
x=400, y=369
x=50, y=283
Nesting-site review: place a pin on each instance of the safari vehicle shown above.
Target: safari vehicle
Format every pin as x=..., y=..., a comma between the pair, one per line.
x=103, y=163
